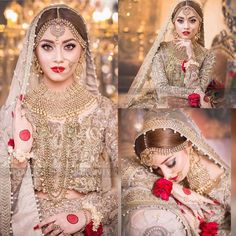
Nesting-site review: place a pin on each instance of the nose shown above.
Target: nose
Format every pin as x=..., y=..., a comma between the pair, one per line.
x=59, y=55
x=186, y=24
x=166, y=172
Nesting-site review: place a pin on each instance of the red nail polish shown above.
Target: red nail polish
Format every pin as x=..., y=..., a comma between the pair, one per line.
x=36, y=227
x=216, y=202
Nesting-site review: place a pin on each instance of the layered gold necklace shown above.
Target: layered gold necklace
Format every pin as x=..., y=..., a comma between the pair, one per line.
x=59, y=105
x=56, y=167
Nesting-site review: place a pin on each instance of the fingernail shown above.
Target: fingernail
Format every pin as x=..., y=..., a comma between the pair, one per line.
x=21, y=97
x=36, y=227
x=12, y=114
x=216, y=202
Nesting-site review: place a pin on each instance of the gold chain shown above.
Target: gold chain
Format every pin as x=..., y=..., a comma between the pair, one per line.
x=59, y=105
x=56, y=167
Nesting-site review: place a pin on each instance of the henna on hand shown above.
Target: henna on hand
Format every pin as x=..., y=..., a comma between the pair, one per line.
x=72, y=219
x=187, y=191
x=25, y=135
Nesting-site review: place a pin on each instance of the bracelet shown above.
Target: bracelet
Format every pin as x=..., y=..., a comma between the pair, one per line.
x=19, y=155
x=192, y=62
x=95, y=215
x=86, y=217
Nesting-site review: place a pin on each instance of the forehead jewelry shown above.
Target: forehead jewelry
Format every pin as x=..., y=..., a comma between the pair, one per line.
x=186, y=11
x=57, y=28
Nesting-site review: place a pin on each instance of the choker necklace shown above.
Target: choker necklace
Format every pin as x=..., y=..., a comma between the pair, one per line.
x=59, y=105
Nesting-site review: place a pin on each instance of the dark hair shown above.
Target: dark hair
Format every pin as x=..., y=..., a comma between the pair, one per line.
x=66, y=14
x=158, y=138
x=192, y=4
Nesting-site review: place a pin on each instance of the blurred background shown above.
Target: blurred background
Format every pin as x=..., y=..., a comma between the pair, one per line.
x=140, y=22
x=101, y=17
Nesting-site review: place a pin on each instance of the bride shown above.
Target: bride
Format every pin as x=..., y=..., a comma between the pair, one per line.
x=177, y=185
x=177, y=70
x=58, y=136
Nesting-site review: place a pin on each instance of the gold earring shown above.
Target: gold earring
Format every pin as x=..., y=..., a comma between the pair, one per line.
x=176, y=36
x=37, y=67
x=80, y=65
x=198, y=176
x=198, y=35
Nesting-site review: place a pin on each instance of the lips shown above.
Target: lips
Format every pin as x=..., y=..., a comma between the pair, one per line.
x=174, y=178
x=57, y=69
x=186, y=33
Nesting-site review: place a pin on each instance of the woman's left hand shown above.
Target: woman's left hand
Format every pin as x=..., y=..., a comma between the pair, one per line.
x=187, y=43
x=64, y=223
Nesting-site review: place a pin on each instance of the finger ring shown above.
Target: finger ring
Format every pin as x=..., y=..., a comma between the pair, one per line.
x=56, y=227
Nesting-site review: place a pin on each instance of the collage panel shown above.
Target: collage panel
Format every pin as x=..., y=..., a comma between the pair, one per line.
x=58, y=118
x=177, y=54
x=176, y=176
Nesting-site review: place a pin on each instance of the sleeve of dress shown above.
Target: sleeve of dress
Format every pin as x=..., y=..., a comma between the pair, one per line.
x=133, y=174
x=104, y=205
x=205, y=73
x=160, y=80
x=17, y=175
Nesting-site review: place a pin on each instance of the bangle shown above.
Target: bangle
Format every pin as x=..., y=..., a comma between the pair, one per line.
x=96, y=216
x=20, y=155
x=86, y=217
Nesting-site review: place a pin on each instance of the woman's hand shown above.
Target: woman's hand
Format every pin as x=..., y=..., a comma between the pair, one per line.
x=194, y=201
x=186, y=43
x=22, y=129
x=65, y=223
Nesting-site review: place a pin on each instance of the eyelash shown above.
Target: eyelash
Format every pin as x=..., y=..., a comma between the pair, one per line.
x=48, y=47
x=173, y=163
x=193, y=21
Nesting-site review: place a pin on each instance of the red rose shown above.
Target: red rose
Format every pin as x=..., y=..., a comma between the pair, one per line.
x=88, y=231
x=183, y=66
x=162, y=188
x=11, y=143
x=194, y=100
x=208, y=228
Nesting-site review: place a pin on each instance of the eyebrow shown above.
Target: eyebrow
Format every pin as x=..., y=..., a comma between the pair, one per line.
x=180, y=17
x=50, y=41
x=166, y=160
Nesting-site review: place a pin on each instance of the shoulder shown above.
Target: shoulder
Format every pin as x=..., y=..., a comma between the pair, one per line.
x=205, y=51
x=106, y=104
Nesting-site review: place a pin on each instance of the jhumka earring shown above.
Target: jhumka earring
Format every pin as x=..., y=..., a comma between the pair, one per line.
x=176, y=36
x=36, y=65
x=198, y=35
x=198, y=177
x=81, y=64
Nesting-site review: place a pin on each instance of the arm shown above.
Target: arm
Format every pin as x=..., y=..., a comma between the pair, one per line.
x=161, y=82
x=105, y=204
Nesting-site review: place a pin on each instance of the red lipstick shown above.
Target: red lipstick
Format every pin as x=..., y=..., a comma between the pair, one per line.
x=174, y=178
x=186, y=33
x=57, y=69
